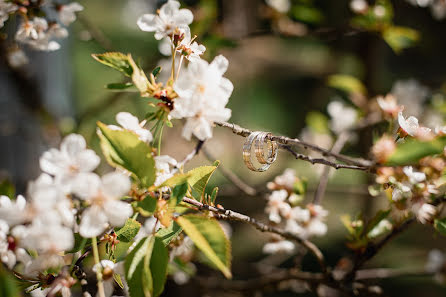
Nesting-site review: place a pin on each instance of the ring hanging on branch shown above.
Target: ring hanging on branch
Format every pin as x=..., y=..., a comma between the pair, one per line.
x=259, y=137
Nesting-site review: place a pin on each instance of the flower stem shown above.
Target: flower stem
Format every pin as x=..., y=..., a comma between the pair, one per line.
x=94, y=244
x=172, y=71
x=179, y=66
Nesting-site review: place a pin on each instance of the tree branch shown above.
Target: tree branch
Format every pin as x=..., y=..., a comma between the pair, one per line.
x=236, y=129
x=227, y=214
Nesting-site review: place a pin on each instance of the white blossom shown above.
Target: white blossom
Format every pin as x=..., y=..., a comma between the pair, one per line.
x=382, y=227
x=414, y=176
x=409, y=126
x=169, y=19
x=12, y=212
x=358, y=6
x=131, y=123
x=67, y=13
x=401, y=191
x=38, y=34
x=283, y=246
x=5, y=9
x=203, y=93
x=424, y=212
x=190, y=48
x=72, y=159
x=286, y=180
x=103, y=194
x=342, y=117
x=163, y=165
x=277, y=206
x=282, y=6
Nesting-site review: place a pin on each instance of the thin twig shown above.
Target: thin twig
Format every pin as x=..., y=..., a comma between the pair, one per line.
x=322, y=161
x=231, y=176
x=190, y=156
x=337, y=147
x=236, y=129
x=227, y=214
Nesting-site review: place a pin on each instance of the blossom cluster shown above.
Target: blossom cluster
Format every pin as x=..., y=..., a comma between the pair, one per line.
x=35, y=29
x=283, y=206
x=411, y=189
x=201, y=93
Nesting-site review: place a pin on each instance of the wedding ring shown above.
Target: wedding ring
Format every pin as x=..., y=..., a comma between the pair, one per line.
x=272, y=148
x=247, y=146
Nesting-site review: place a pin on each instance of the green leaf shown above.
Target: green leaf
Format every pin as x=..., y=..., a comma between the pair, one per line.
x=179, y=192
x=139, y=78
x=346, y=83
x=147, y=206
x=440, y=225
x=199, y=177
x=123, y=149
x=177, y=179
x=156, y=71
x=347, y=222
x=137, y=271
x=8, y=284
x=210, y=238
x=158, y=266
x=119, y=86
x=307, y=14
x=168, y=234
x=7, y=188
x=317, y=122
x=127, y=232
x=399, y=38
x=118, y=61
x=412, y=150
x=146, y=267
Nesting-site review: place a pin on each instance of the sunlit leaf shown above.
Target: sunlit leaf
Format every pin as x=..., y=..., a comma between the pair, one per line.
x=399, y=38
x=412, y=150
x=127, y=232
x=208, y=235
x=118, y=61
x=123, y=149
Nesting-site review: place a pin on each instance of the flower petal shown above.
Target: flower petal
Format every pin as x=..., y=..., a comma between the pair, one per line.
x=93, y=223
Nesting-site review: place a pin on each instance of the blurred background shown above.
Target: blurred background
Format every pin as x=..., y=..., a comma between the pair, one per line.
x=283, y=61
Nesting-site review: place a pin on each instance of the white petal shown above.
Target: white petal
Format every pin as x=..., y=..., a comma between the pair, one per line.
x=115, y=184
x=52, y=162
x=147, y=23
x=73, y=144
x=93, y=223
x=87, y=160
x=183, y=17
x=169, y=9
x=128, y=121
x=86, y=185
x=117, y=212
x=220, y=64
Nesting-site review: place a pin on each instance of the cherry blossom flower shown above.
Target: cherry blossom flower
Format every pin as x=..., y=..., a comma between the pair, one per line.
x=203, y=93
x=414, y=176
x=12, y=212
x=72, y=159
x=169, y=19
x=389, y=105
x=103, y=194
x=282, y=246
x=408, y=126
x=131, y=123
x=163, y=165
x=5, y=9
x=359, y=6
x=38, y=34
x=190, y=48
x=108, y=269
x=67, y=13
x=282, y=6
x=10, y=251
x=401, y=191
x=382, y=227
x=343, y=117
x=284, y=181
x=424, y=212
x=277, y=206
x=383, y=148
